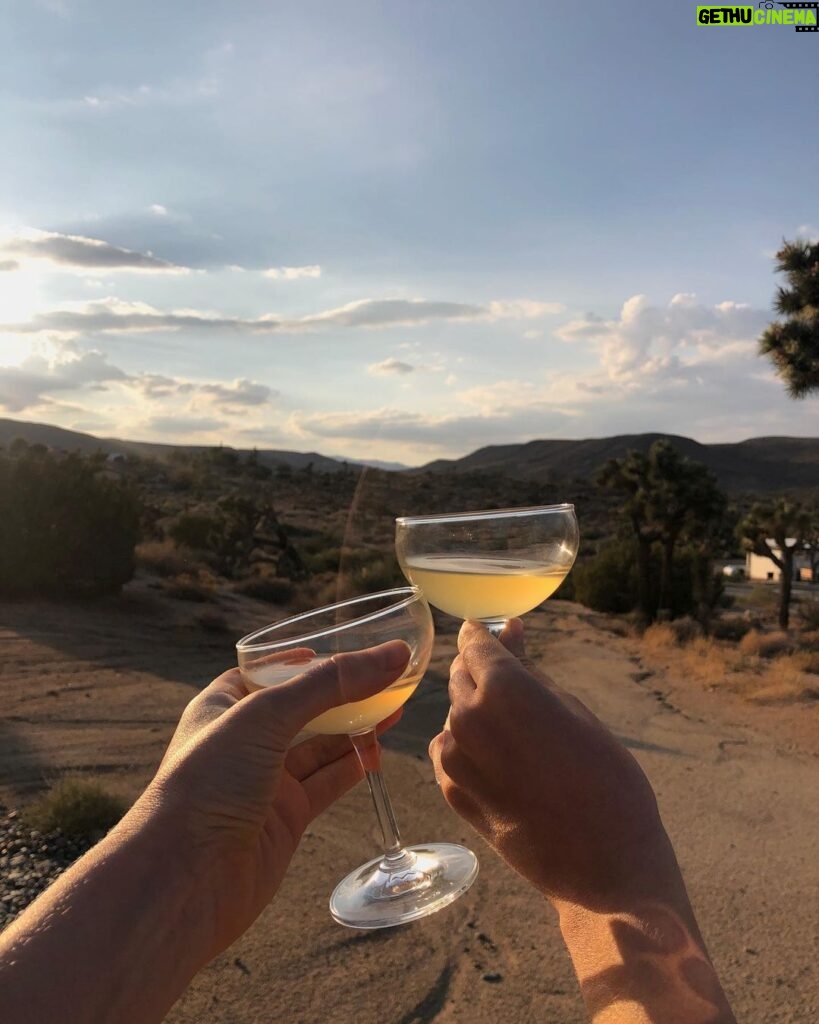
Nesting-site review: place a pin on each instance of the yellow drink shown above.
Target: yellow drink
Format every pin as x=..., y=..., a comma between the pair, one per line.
x=475, y=587
x=346, y=720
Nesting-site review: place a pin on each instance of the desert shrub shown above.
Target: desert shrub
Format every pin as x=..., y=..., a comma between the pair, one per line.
x=686, y=629
x=197, y=530
x=763, y=596
x=66, y=528
x=660, y=637
x=165, y=558
x=79, y=808
x=326, y=560
x=376, y=572
x=607, y=581
x=266, y=587
x=809, y=614
x=809, y=641
x=733, y=629
x=765, y=645
x=189, y=587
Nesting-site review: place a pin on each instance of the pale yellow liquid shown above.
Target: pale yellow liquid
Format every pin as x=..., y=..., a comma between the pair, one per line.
x=347, y=719
x=472, y=587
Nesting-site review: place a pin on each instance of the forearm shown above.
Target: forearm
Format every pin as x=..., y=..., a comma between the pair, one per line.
x=643, y=963
x=116, y=938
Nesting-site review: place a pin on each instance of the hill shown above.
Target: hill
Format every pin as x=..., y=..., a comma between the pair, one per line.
x=74, y=441
x=761, y=464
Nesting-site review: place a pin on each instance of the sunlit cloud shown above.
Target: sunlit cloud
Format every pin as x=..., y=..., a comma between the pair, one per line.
x=114, y=316
x=390, y=367
x=647, y=339
x=76, y=252
x=183, y=424
x=62, y=366
x=292, y=273
x=38, y=376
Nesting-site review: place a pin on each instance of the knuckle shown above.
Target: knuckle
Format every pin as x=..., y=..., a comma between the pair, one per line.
x=466, y=722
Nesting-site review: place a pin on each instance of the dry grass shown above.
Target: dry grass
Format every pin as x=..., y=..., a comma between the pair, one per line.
x=764, y=668
x=188, y=586
x=79, y=808
x=165, y=558
x=766, y=645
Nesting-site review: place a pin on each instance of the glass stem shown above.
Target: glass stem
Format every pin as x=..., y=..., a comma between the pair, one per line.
x=369, y=754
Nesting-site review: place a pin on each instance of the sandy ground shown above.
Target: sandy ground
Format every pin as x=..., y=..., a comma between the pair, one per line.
x=98, y=689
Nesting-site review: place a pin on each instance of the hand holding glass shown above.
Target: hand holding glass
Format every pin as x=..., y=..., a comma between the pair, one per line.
x=405, y=883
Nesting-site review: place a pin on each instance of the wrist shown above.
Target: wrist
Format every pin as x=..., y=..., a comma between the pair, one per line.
x=119, y=935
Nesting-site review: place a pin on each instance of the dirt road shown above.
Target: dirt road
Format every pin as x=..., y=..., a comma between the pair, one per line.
x=100, y=690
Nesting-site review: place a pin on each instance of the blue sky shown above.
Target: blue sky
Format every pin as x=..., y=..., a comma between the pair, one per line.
x=397, y=230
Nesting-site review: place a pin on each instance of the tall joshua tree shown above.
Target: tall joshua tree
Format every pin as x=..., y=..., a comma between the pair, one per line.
x=792, y=343
x=667, y=497
x=789, y=525
x=630, y=476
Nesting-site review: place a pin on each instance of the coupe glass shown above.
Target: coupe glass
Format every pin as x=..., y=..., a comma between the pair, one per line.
x=404, y=883
x=489, y=565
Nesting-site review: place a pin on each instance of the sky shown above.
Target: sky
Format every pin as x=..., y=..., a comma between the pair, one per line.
x=397, y=231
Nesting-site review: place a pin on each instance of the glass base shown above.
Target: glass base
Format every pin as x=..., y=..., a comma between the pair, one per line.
x=389, y=891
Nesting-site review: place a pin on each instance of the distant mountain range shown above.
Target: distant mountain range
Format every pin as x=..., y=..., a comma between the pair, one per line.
x=73, y=441
x=761, y=464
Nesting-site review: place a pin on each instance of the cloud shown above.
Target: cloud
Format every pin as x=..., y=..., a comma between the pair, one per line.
x=292, y=273
x=407, y=312
x=179, y=92
x=111, y=315
x=183, y=424
x=457, y=431
x=809, y=232
x=85, y=254
x=240, y=393
x=63, y=366
x=390, y=366
x=158, y=210
x=8, y=265
x=646, y=340
x=38, y=376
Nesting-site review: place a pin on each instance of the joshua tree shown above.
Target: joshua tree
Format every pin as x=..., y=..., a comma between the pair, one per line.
x=629, y=476
x=787, y=526
x=667, y=497
x=792, y=343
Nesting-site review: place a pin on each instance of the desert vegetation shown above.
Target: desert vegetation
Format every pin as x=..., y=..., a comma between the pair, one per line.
x=202, y=525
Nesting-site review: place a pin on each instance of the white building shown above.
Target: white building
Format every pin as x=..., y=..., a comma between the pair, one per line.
x=758, y=567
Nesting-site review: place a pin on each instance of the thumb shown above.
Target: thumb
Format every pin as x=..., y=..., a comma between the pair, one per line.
x=337, y=680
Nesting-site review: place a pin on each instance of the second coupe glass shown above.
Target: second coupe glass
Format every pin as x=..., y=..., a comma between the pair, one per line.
x=489, y=565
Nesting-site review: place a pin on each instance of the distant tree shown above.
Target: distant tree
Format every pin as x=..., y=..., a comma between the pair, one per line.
x=792, y=343
x=66, y=529
x=684, y=501
x=629, y=477
x=668, y=498
x=782, y=525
